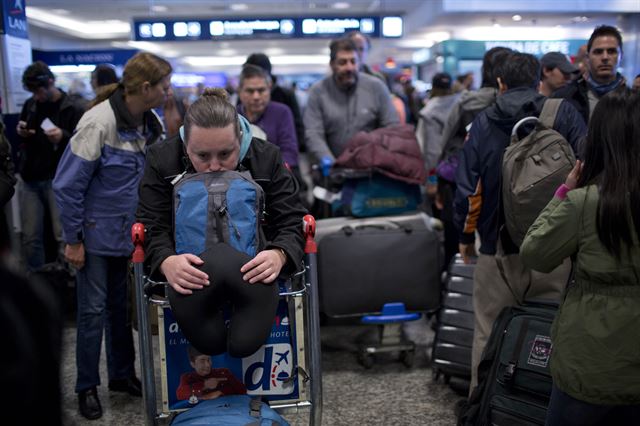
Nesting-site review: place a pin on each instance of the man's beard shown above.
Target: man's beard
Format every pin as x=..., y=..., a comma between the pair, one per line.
x=347, y=83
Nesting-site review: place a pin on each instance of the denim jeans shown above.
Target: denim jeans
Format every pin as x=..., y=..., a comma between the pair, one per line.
x=564, y=410
x=34, y=197
x=102, y=304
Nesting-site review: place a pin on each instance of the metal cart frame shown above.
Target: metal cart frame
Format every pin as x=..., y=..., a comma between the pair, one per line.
x=312, y=379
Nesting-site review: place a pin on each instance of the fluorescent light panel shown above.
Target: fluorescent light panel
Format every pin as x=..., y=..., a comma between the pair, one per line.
x=225, y=61
x=90, y=29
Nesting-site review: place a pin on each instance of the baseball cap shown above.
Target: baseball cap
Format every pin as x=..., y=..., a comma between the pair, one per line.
x=261, y=60
x=558, y=60
x=441, y=80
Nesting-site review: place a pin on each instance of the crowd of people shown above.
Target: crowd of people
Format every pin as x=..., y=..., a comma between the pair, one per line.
x=96, y=168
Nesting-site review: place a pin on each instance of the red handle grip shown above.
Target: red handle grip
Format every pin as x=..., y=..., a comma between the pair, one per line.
x=137, y=237
x=309, y=232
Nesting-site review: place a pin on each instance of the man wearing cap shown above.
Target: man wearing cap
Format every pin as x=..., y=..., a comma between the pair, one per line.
x=557, y=71
x=46, y=123
x=604, y=51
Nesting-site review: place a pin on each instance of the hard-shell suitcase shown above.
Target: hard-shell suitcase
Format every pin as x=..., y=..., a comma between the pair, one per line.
x=365, y=263
x=454, y=334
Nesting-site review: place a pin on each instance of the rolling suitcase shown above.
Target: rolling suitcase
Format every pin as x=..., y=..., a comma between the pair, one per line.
x=451, y=354
x=365, y=263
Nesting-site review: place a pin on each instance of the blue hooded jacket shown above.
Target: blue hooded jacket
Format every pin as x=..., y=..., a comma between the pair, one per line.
x=477, y=199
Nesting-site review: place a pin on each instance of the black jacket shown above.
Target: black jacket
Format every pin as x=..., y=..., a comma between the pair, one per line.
x=7, y=178
x=479, y=173
x=283, y=219
x=38, y=157
x=576, y=92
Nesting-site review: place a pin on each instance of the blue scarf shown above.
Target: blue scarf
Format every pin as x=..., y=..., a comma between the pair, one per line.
x=603, y=89
x=245, y=135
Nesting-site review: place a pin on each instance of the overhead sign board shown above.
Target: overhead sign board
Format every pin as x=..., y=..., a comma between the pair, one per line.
x=14, y=19
x=256, y=28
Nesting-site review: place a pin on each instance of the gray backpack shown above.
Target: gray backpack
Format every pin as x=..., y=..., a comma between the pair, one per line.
x=532, y=169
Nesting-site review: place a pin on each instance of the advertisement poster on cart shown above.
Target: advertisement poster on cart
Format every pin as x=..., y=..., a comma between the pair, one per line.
x=266, y=373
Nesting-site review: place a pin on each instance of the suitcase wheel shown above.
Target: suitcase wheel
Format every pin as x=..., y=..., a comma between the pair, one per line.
x=408, y=358
x=366, y=360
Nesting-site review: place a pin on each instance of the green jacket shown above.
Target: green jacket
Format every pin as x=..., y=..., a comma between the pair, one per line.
x=596, y=334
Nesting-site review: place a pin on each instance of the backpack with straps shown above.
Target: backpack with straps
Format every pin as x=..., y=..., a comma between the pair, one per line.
x=532, y=169
x=218, y=207
x=514, y=379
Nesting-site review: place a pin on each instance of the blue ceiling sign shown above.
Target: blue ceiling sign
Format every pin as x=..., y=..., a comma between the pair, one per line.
x=260, y=28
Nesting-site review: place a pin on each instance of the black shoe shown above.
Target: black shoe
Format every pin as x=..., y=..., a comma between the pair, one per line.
x=131, y=385
x=89, y=404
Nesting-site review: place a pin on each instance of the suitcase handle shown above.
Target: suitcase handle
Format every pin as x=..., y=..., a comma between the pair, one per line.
x=349, y=230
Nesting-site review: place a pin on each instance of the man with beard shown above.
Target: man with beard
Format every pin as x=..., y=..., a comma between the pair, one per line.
x=344, y=103
x=604, y=51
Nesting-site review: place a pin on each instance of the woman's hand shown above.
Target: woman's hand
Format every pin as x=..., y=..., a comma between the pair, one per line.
x=574, y=175
x=265, y=267
x=182, y=275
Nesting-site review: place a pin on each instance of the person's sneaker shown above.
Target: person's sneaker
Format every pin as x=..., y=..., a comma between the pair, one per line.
x=130, y=385
x=89, y=404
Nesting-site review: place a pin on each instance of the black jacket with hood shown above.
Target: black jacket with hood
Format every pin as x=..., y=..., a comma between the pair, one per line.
x=283, y=218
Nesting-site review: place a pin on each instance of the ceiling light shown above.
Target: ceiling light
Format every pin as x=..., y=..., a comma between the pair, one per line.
x=579, y=19
x=61, y=69
x=520, y=33
x=157, y=48
x=517, y=18
x=87, y=29
x=238, y=6
x=159, y=8
x=227, y=61
x=340, y=5
x=60, y=11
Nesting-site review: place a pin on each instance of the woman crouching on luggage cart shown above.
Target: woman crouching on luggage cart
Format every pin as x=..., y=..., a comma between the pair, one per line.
x=215, y=138
x=595, y=217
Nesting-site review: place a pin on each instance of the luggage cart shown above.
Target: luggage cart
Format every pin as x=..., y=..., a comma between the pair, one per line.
x=303, y=314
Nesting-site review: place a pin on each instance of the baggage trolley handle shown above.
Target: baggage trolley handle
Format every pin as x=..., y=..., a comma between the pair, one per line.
x=144, y=329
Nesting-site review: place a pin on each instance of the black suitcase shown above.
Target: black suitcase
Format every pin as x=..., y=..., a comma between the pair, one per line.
x=514, y=381
x=365, y=263
x=451, y=355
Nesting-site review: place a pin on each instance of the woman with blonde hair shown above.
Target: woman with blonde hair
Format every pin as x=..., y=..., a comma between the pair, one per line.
x=96, y=189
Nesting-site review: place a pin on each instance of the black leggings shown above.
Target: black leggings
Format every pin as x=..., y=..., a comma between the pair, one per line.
x=253, y=307
x=564, y=410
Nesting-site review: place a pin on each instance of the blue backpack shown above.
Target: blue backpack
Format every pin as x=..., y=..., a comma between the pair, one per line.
x=230, y=410
x=228, y=205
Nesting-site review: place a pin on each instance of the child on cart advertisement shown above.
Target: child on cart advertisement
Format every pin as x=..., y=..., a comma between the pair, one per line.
x=191, y=376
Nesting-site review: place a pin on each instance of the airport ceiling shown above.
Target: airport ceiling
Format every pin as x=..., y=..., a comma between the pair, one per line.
x=72, y=24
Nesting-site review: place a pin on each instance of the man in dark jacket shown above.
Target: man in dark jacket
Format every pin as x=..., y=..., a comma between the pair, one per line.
x=477, y=206
x=604, y=51
x=46, y=123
